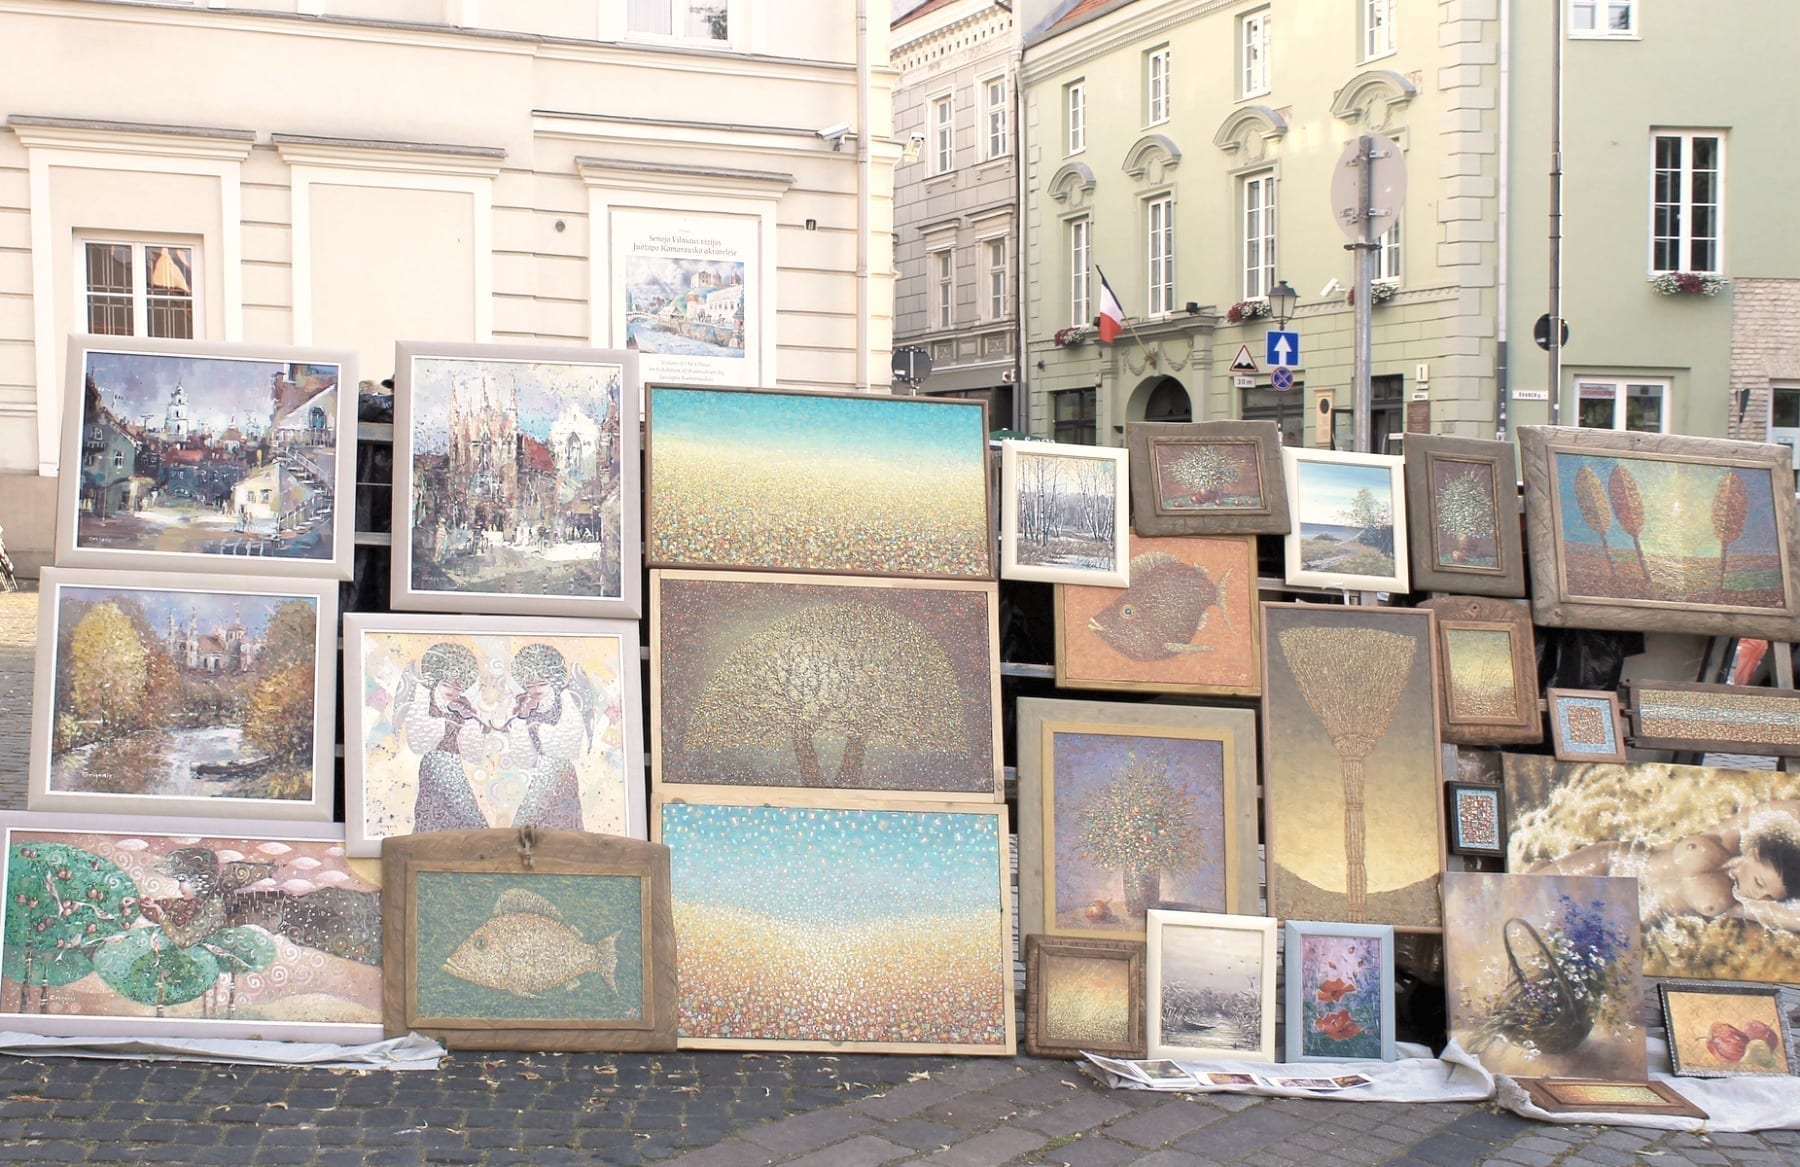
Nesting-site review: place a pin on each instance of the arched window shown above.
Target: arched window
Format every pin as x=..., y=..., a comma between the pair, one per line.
x=1168, y=402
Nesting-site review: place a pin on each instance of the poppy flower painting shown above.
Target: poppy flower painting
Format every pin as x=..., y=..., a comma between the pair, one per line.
x=1340, y=991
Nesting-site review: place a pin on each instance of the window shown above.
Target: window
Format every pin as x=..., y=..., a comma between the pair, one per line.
x=1259, y=235
x=1387, y=254
x=1075, y=115
x=1377, y=28
x=994, y=259
x=1687, y=183
x=1160, y=254
x=139, y=289
x=1072, y=416
x=1784, y=422
x=1253, y=53
x=943, y=121
x=1621, y=404
x=1603, y=18
x=1156, y=86
x=1081, y=310
x=946, y=289
x=994, y=97
x=686, y=20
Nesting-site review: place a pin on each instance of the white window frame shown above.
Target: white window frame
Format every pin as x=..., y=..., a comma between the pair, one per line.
x=943, y=133
x=1388, y=254
x=1075, y=116
x=943, y=264
x=994, y=119
x=1788, y=436
x=142, y=249
x=1683, y=205
x=1256, y=240
x=994, y=266
x=1253, y=53
x=1159, y=254
x=1157, y=65
x=1621, y=392
x=1377, y=29
x=1081, y=261
x=1593, y=19
x=679, y=10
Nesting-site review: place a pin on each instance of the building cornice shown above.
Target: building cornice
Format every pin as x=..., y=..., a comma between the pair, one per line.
x=376, y=154
x=141, y=138
x=676, y=179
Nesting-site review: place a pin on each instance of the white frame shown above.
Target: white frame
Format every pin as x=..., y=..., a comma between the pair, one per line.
x=1159, y=254
x=679, y=9
x=1081, y=278
x=943, y=278
x=1258, y=234
x=1684, y=242
x=943, y=133
x=1075, y=117
x=994, y=117
x=1388, y=255
x=994, y=283
x=1621, y=387
x=139, y=243
x=316, y=808
x=1011, y=488
x=1158, y=77
x=1157, y=920
x=1253, y=53
x=1295, y=931
x=1377, y=31
x=1600, y=10
x=1394, y=464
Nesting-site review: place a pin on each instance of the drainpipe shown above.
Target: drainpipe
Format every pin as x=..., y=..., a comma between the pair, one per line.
x=865, y=195
x=1021, y=419
x=1502, y=378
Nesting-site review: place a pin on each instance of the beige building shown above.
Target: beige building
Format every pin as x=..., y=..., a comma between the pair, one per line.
x=348, y=173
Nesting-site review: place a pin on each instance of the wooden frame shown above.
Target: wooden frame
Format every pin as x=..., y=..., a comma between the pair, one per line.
x=869, y=484
x=1585, y=725
x=1061, y=502
x=1195, y=1008
x=1477, y=819
x=1580, y=578
x=1675, y=715
x=1083, y=996
x=1462, y=516
x=1335, y=528
x=1487, y=670
x=199, y=456
x=578, y=952
x=1161, y=504
x=564, y=506
x=1726, y=1031
x=1588, y=1096
x=556, y=733
x=1337, y=994
x=1192, y=756
x=218, y=701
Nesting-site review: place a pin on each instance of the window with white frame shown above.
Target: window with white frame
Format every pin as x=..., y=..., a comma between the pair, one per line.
x=1603, y=18
x=1784, y=421
x=994, y=277
x=694, y=21
x=1259, y=235
x=1387, y=254
x=134, y=288
x=1159, y=254
x=993, y=92
x=1377, y=28
x=1253, y=53
x=1622, y=403
x=1081, y=308
x=943, y=128
x=1156, y=86
x=1075, y=116
x=1687, y=193
x=944, y=272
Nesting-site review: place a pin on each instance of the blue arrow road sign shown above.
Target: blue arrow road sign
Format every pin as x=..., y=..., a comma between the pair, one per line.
x=1284, y=349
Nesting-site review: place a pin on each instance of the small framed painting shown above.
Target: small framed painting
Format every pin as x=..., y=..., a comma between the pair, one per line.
x=1585, y=725
x=1210, y=986
x=1063, y=513
x=1487, y=660
x=1207, y=478
x=1340, y=991
x=1083, y=996
x=1463, y=516
x=1591, y=1096
x=1722, y=1030
x=1348, y=514
x=1477, y=813
x=1675, y=715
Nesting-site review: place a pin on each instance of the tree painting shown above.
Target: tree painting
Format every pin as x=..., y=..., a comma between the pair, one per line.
x=1141, y=824
x=1596, y=512
x=1346, y=513
x=1207, y=475
x=1731, y=508
x=1628, y=510
x=1067, y=508
x=1464, y=509
x=63, y=904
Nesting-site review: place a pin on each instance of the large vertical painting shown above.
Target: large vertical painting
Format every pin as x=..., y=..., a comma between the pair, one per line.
x=179, y=693
x=516, y=480
x=1063, y=513
x=1348, y=520
x=183, y=456
x=1463, y=516
x=1210, y=986
x=1352, y=780
x=1207, y=478
x=885, y=928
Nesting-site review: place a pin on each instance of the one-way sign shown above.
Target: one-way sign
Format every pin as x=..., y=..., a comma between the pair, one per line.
x=1243, y=362
x=1284, y=349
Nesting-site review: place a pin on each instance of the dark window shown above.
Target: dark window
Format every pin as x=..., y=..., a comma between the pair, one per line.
x=1287, y=410
x=1073, y=413
x=1168, y=402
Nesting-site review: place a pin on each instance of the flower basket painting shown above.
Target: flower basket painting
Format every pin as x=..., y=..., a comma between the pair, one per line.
x=1463, y=516
x=1340, y=991
x=1207, y=478
x=1723, y=1030
x=1348, y=520
x=1063, y=513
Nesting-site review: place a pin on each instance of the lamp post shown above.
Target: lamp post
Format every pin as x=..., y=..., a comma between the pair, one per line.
x=1281, y=302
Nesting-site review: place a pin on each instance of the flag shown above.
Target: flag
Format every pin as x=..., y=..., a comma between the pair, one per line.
x=1111, y=320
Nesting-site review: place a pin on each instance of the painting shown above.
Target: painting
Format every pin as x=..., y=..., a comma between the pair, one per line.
x=1543, y=974
x=688, y=290
x=468, y=722
x=1463, y=516
x=1083, y=996
x=1210, y=986
x=516, y=480
x=1477, y=819
x=1347, y=520
x=1347, y=783
x=1560, y=1096
x=869, y=485
x=529, y=939
x=1487, y=662
x=1207, y=478
x=146, y=927
x=886, y=927
x=1126, y=807
x=1188, y=623
x=1585, y=725
x=182, y=693
x=1660, y=532
x=1714, y=851
x=1722, y=1030
x=796, y=684
x=1063, y=513
x=1340, y=991
x=1674, y=715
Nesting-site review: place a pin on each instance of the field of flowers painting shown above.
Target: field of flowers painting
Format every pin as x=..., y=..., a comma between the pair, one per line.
x=1340, y=996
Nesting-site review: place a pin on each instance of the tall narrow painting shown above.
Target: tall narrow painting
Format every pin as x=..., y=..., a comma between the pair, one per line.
x=1063, y=513
x=1207, y=478
x=1463, y=516
x=1349, y=520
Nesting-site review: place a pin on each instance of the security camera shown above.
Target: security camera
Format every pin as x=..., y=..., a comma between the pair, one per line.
x=918, y=138
x=835, y=133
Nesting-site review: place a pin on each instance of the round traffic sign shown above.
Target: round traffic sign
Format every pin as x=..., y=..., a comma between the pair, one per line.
x=1281, y=379
x=1387, y=187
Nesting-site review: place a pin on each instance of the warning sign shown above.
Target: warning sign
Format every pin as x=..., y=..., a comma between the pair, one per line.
x=1244, y=363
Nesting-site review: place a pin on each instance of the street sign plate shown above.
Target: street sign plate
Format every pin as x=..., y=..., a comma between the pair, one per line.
x=1282, y=379
x=1531, y=394
x=1243, y=362
x=1284, y=349
x=1241, y=381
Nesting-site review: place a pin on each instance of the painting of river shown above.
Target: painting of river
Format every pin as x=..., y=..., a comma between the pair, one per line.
x=1211, y=986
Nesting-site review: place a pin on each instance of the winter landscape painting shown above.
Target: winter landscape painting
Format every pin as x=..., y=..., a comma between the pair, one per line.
x=1063, y=518
x=1349, y=525
x=1210, y=986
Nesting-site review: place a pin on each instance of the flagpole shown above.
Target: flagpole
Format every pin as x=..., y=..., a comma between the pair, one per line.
x=1124, y=319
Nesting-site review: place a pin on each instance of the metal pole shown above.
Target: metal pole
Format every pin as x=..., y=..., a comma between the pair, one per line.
x=1555, y=346
x=1364, y=248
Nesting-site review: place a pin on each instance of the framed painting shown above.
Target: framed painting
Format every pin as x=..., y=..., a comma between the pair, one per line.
x=1543, y=974
x=1348, y=781
x=1126, y=807
x=198, y=456
x=468, y=722
x=182, y=693
x=1477, y=819
x=881, y=928
x=1083, y=996
x=528, y=939
x=1347, y=515
x=1675, y=715
x=1660, y=532
x=1207, y=478
x=1487, y=663
x=795, y=685
x=1188, y=624
x=516, y=480
x=1585, y=725
x=1063, y=513
x=144, y=926
x=1210, y=986
x=1463, y=516
x=869, y=484
x=1340, y=991
x=1571, y=1096
x=1718, y=890
x=1722, y=1031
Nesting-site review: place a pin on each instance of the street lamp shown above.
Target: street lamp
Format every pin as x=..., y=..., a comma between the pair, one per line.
x=1281, y=302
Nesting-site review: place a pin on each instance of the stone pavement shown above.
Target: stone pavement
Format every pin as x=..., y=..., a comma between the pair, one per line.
x=734, y=1110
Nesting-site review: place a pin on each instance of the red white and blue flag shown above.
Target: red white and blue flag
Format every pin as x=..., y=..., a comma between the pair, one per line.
x=1111, y=320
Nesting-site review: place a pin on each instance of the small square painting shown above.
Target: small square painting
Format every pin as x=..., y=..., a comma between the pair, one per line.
x=1585, y=726
x=1720, y=1030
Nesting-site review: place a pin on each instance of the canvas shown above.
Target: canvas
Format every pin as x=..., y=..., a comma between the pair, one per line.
x=468, y=722
x=1477, y=813
x=1207, y=478
x=1340, y=991
x=1210, y=986
x=1083, y=996
x=876, y=928
x=207, y=457
x=869, y=485
x=1706, y=845
x=516, y=480
x=1487, y=666
x=1348, y=516
x=146, y=927
x=1063, y=513
x=179, y=693
x=1463, y=516
x=1672, y=715
x=1557, y=1096
x=1585, y=725
x=796, y=684
x=1351, y=765
x=1188, y=623
x=1723, y=1030
x=1543, y=974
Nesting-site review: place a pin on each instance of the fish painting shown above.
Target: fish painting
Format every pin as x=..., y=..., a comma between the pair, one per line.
x=525, y=948
x=1164, y=609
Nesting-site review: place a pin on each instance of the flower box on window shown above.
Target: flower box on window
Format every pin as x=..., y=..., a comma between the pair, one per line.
x=1245, y=309
x=1687, y=283
x=1380, y=292
x=1072, y=336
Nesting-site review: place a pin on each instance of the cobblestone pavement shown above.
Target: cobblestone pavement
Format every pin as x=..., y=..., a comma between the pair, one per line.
x=734, y=1110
